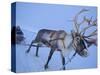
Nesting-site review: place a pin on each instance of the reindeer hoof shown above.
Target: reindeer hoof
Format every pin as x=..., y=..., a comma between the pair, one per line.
x=64, y=68
x=27, y=51
x=46, y=66
x=37, y=55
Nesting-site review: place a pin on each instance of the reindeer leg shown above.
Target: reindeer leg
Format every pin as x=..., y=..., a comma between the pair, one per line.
x=37, y=50
x=29, y=47
x=49, y=57
x=63, y=60
x=72, y=56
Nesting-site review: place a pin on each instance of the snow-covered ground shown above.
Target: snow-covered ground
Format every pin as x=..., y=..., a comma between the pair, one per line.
x=32, y=17
x=30, y=63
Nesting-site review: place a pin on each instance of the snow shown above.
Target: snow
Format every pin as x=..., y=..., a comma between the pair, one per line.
x=28, y=62
x=32, y=17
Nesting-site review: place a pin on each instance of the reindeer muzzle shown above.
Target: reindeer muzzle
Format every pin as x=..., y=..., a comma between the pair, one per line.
x=83, y=53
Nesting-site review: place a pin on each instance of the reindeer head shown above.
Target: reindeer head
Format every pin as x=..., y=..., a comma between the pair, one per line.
x=81, y=41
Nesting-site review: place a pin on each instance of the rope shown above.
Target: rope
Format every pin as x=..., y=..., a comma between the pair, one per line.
x=69, y=60
x=32, y=45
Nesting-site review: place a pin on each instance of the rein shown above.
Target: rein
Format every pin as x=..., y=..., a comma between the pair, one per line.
x=62, y=39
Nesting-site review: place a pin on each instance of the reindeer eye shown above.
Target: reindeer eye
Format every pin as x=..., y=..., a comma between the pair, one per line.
x=77, y=38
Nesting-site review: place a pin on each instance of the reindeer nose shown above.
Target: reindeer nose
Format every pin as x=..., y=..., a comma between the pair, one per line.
x=84, y=53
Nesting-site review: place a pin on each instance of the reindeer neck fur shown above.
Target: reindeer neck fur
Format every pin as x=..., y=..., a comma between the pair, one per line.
x=68, y=45
x=67, y=41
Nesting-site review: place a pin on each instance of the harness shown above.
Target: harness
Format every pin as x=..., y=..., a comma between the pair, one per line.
x=58, y=33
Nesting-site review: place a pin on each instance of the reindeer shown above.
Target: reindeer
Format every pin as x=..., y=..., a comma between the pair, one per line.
x=59, y=40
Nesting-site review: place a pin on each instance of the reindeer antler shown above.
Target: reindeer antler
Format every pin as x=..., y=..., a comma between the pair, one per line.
x=92, y=34
x=90, y=24
x=77, y=25
x=88, y=38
